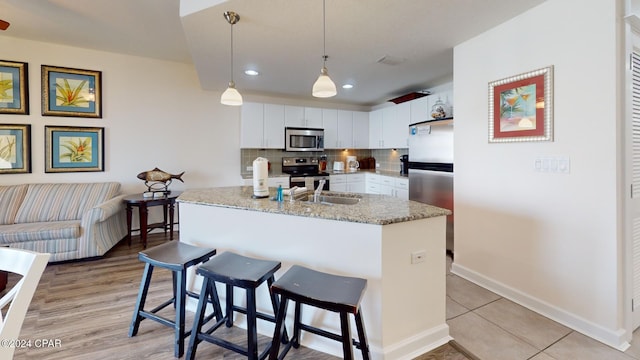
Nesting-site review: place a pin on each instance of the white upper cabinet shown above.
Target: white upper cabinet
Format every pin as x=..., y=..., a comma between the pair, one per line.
x=360, y=130
x=389, y=127
x=330, y=125
x=293, y=116
x=338, y=128
x=298, y=116
x=313, y=117
x=420, y=110
x=273, y=126
x=345, y=129
x=262, y=126
x=396, y=128
x=252, y=125
x=375, y=129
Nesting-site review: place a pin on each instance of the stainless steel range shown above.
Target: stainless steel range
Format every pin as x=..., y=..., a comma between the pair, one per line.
x=304, y=172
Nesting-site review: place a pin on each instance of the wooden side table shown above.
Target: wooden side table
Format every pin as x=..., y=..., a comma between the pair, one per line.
x=3, y=280
x=4, y=276
x=142, y=203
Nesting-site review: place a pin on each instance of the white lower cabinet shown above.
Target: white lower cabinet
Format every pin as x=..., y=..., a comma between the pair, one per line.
x=338, y=182
x=401, y=188
x=354, y=183
x=387, y=185
x=271, y=182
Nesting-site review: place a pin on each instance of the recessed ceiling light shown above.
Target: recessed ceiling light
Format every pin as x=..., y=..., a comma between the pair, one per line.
x=251, y=72
x=347, y=86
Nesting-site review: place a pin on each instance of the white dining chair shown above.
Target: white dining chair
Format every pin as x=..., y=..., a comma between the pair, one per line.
x=30, y=265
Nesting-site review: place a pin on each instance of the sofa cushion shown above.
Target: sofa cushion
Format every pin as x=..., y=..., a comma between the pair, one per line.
x=10, y=200
x=17, y=233
x=62, y=202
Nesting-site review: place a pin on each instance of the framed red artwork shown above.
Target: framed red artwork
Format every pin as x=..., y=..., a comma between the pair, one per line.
x=520, y=107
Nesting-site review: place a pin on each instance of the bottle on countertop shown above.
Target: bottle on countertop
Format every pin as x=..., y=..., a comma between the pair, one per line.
x=322, y=164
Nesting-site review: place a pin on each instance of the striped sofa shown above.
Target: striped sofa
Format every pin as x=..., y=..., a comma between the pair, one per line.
x=70, y=221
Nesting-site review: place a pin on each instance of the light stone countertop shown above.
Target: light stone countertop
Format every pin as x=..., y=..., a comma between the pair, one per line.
x=372, y=209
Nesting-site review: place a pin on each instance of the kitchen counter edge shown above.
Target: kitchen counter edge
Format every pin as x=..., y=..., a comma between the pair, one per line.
x=372, y=209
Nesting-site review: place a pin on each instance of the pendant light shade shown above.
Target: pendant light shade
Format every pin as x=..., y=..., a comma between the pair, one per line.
x=231, y=96
x=324, y=87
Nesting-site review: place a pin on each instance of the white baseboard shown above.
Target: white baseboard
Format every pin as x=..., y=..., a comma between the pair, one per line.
x=613, y=338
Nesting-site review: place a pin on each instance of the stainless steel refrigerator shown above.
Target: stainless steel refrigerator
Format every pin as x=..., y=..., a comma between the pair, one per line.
x=431, y=167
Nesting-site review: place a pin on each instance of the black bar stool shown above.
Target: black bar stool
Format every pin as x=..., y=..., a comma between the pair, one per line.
x=176, y=257
x=234, y=270
x=335, y=293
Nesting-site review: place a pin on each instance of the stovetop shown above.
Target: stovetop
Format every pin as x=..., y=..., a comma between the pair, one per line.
x=302, y=166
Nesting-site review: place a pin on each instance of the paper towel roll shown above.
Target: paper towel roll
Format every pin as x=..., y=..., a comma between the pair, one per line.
x=260, y=178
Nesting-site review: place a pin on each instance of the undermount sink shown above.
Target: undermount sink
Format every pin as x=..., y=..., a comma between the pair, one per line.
x=327, y=199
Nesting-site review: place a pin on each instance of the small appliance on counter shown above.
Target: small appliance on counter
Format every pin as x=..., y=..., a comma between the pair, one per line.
x=404, y=165
x=322, y=166
x=353, y=163
x=338, y=166
x=260, y=178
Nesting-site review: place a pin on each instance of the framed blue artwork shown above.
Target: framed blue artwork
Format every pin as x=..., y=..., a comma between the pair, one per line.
x=15, y=148
x=71, y=92
x=14, y=88
x=74, y=149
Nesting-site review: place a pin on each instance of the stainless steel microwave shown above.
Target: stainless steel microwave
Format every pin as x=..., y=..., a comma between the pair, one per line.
x=303, y=139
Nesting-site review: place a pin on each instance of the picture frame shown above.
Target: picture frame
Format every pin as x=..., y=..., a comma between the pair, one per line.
x=521, y=107
x=14, y=87
x=15, y=149
x=71, y=92
x=74, y=149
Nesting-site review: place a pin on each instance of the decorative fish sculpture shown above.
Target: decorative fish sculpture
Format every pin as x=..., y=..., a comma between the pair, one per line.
x=159, y=175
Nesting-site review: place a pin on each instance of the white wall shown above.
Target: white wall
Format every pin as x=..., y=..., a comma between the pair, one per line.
x=154, y=114
x=549, y=241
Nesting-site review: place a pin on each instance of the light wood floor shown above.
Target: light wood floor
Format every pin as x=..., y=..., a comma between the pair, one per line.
x=86, y=306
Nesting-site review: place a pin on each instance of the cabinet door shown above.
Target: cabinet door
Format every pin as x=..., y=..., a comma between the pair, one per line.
x=375, y=129
x=402, y=189
x=294, y=116
x=338, y=182
x=390, y=134
x=251, y=125
x=395, y=126
x=372, y=183
x=419, y=110
x=278, y=181
x=360, y=130
x=313, y=117
x=356, y=183
x=345, y=129
x=330, y=125
x=273, y=126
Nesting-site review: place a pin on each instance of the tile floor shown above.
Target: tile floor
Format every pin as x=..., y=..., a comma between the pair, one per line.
x=494, y=328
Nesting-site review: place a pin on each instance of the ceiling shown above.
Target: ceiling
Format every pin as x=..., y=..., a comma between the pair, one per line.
x=282, y=39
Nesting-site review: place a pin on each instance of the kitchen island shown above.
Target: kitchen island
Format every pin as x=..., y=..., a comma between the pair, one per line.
x=397, y=245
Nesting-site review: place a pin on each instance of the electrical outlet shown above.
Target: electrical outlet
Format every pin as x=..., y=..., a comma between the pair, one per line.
x=418, y=256
x=250, y=168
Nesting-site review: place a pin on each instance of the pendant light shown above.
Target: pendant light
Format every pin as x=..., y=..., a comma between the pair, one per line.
x=231, y=96
x=324, y=87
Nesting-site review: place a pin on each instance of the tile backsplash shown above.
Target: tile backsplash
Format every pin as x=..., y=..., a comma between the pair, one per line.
x=386, y=159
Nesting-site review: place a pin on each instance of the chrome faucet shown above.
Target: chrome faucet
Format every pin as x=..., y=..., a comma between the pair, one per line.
x=316, y=193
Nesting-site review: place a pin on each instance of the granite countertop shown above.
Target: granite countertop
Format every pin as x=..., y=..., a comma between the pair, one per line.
x=372, y=209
